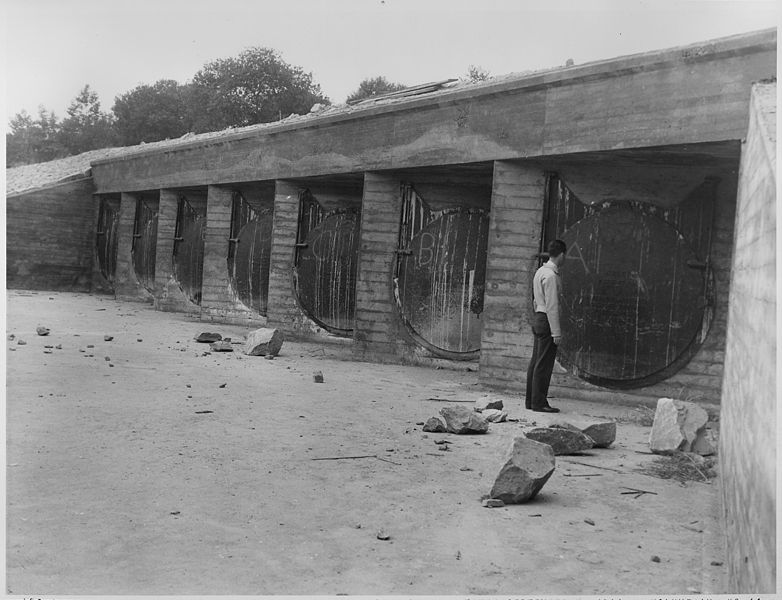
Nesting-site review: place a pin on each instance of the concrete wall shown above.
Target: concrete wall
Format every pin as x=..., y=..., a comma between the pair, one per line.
x=50, y=238
x=749, y=397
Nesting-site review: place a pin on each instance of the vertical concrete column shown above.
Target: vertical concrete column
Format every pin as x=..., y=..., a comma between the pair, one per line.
x=216, y=290
x=168, y=294
x=514, y=240
x=377, y=325
x=283, y=308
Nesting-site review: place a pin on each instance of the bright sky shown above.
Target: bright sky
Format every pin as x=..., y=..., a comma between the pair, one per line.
x=55, y=47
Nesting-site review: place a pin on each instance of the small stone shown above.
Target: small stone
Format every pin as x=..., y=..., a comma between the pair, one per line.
x=589, y=522
x=317, y=377
x=47, y=351
x=528, y=466
x=11, y=337
x=562, y=441
x=461, y=420
x=263, y=341
x=221, y=346
x=48, y=346
x=90, y=345
x=602, y=433
x=488, y=403
x=139, y=340
x=492, y=503
x=21, y=342
x=107, y=358
x=493, y=415
x=111, y=365
x=382, y=535
x=59, y=346
x=434, y=425
x=208, y=338
x=444, y=448
x=222, y=385
x=108, y=338
x=42, y=330
x=269, y=357
x=705, y=443
x=655, y=558
x=716, y=563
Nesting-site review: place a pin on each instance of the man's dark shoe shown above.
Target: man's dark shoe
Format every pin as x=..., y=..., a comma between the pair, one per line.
x=547, y=409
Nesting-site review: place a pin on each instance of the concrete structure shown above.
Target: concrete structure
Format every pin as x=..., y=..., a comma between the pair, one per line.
x=410, y=227
x=748, y=424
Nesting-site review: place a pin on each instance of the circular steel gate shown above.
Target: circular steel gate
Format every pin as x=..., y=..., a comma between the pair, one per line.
x=440, y=282
x=325, y=274
x=634, y=296
x=249, y=264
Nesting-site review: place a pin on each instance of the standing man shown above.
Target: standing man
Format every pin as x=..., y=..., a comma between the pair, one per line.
x=546, y=328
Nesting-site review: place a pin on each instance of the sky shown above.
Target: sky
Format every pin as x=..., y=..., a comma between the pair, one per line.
x=54, y=47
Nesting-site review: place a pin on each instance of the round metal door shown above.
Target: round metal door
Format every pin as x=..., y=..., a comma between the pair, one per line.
x=633, y=299
x=251, y=261
x=326, y=271
x=440, y=282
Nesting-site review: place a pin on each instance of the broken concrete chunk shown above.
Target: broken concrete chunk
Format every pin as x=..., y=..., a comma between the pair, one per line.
x=42, y=330
x=705, y=443
x=492, y=415
x=434, y=425
x=208, y=338
x=561, y=440
x=527, y=467
x=21, y=342
x=459, y=419
x=317, y=377
x=676, y=425
x=108, y=338
x=264, y=341
x=488, y=403
x=603, y=433
x=221, y=346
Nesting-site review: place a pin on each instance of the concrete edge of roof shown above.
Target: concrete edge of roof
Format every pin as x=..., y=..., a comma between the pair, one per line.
x=612, y=67
x=53, y=184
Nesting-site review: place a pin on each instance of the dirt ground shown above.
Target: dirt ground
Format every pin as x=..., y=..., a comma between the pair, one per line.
x=119, y=482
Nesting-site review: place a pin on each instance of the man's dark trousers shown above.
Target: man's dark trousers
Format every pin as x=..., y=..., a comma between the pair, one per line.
x=541, y=365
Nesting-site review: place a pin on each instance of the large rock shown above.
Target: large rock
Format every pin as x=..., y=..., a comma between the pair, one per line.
x=528, y=466
x=492, y=415
x=459, y=419
x=676, y=426
x=434, y=425
x=207, y=337
x=561, y=440
x=603, y=433
x=488, y=404
x=263, y=342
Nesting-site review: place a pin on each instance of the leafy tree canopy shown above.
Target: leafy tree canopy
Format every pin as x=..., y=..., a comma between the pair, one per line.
x=86, y=127
x=374, y=86
x=149, y=113
x=255, y=87
x=33, y=140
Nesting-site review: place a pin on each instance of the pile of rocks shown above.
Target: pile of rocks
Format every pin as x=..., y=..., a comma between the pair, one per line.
x=260, y=342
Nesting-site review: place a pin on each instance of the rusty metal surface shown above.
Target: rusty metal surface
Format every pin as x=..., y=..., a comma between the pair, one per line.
x=144, y=249
x=636, y=293
x=106, y=237
x=249, y=253
x=326, y=263
x=188, y=256
x=440, y=275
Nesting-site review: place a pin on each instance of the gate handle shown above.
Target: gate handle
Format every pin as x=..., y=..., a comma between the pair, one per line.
x=302, y=245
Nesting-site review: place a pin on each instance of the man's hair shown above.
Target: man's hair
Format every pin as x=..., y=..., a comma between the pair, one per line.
x=556, y=247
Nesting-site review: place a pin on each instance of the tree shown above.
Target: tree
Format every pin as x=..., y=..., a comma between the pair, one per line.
x=86, y=127
x=149, y=113
x=255, y=87
x=373, y=86
x=32, y=141
x=476, y=73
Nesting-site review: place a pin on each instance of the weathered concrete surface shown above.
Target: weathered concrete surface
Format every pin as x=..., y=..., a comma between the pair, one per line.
x=528, y=466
